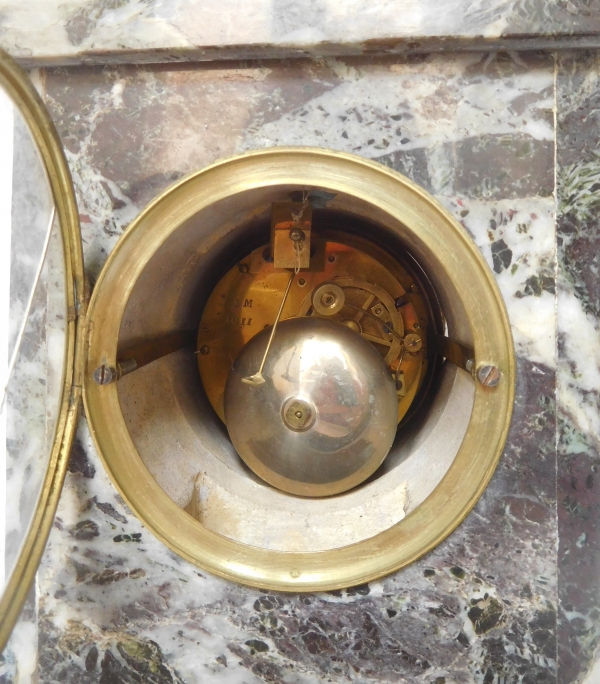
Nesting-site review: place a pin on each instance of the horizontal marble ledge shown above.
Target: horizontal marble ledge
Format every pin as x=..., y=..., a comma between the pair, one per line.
x=42, y=33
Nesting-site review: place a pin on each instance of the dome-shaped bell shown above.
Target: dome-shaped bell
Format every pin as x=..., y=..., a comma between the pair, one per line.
x=326, y=415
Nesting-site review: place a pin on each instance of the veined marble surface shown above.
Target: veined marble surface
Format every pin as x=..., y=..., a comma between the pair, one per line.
x=113, y=604
x=111, y=31
x=578, y=314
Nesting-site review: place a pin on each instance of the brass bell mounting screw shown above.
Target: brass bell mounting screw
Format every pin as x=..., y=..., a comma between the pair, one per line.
x=488, y=375
x=298, y=414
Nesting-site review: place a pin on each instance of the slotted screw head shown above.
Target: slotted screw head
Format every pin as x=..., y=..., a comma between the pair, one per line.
x=104, y=375
x=413, y=343
x=489, y=375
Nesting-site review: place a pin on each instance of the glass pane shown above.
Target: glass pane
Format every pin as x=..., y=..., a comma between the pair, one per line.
x=32, y=330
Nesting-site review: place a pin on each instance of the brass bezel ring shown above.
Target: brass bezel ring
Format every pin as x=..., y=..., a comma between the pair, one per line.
x=471, y=470
x=15, y=82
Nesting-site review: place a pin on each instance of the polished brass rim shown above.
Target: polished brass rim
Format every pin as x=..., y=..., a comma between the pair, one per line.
x=17, y=85
x=477, y=458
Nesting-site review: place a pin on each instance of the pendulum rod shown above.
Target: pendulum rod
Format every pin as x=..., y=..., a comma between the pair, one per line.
x=257, y=378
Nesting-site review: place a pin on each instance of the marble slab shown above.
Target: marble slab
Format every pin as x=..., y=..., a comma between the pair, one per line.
x=113, y=604
x=126, y=31
x=578, y=312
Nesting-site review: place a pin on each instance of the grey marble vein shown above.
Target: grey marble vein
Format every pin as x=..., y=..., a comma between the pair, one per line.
x=578, y=308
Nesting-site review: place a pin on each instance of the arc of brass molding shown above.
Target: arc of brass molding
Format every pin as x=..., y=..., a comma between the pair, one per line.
x=19, y=88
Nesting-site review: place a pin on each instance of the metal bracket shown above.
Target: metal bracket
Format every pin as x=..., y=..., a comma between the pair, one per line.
x=142, y=352
x=457, y=353
x=290, y=234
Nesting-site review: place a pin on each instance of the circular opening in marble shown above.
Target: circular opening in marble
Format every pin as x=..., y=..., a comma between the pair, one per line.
x=185, y=445
x=158, y=426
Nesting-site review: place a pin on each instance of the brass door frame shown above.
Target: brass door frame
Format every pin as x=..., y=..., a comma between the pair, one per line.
x=18, y=86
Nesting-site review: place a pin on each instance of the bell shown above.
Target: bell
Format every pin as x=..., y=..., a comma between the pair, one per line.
x=326, y=415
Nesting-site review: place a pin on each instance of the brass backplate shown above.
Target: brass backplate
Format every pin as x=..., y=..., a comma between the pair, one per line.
x=247, y=299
